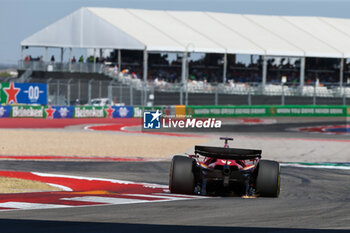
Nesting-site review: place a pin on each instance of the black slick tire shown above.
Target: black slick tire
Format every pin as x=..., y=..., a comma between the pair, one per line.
x=268, y=178
x=182, y=179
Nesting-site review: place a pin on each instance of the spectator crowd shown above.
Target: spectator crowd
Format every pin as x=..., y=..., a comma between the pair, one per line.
x=209, y=68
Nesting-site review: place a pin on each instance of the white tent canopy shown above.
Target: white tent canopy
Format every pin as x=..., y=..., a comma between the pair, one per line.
x=186, y=31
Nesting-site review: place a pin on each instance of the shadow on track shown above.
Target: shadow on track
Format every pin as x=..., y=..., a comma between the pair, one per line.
x=87, y=227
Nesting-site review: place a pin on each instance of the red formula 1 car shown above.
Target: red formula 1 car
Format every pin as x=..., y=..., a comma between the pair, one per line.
x=225, y=171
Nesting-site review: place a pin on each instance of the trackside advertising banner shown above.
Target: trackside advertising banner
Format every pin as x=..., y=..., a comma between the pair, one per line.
x=166, y=110
x=123, y=112
x=89, y=112
x=19, y=111
x=5, y=111
x=60, y=112
x=178, y=111
x=328, y=111
x=103, y=112
x=268, y=111
x=23, y=93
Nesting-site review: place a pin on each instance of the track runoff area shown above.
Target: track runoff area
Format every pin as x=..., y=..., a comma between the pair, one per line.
x=108, y=190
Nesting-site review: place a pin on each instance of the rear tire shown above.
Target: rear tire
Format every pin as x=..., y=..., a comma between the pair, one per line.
x=182, y=178
x=268, y=179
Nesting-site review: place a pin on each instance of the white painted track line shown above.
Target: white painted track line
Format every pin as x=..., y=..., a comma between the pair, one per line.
x=106, y=200
x=27, y=205
x=157, y=196
x=182, y=195
x=315, y=166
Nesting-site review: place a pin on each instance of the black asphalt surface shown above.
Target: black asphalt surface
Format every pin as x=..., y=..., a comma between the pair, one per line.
x=281, y=129
x=311, y=200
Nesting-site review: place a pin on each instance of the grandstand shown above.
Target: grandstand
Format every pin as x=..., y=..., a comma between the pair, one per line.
x=295, y=57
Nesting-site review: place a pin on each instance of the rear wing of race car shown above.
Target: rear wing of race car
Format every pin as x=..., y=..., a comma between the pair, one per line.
x=227, y=153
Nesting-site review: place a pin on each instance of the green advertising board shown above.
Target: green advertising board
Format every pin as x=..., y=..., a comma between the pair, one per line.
x=226, y=111
x=268, y=111
x=318, y=111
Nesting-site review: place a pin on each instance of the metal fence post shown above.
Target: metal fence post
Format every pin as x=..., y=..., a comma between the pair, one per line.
x=142, y=96
x=344, y=96
x=100, y=89
x=94, y=64
x=216, y=95
x=119, y=63
x=341, y=72
x=121, y=93
x=264, y=74
x=109, y=90
x=186, y=81
x=186, y=93
x=180, y=92
x=224, y=72
x=314, y=97
x=69, y=91
x=282, y=97
x=89, y=90
x=145, y=75
x=48, y=90
x=131, y=96
x=183, y=76
x=302, y=74
x=57, y=91
x=79, y=92
x=70, y=60
x=249, y=96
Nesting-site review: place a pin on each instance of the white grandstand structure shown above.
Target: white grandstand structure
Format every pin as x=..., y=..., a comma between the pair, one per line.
x=186, y=32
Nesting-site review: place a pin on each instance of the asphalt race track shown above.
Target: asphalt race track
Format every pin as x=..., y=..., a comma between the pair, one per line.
x=311, y=200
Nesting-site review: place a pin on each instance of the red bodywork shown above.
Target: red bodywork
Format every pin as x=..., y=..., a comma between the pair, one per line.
x=242, y=165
